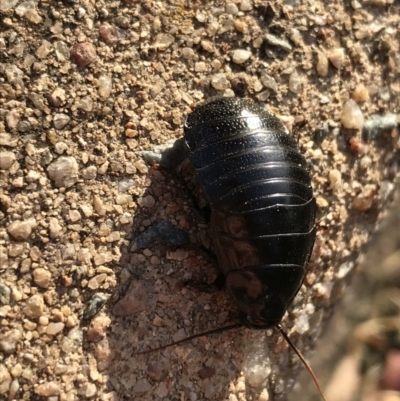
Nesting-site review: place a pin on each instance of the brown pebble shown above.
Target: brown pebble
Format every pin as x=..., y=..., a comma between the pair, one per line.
x=360, y=93
x=356, y=145
x=82, y=54
x=110, y=34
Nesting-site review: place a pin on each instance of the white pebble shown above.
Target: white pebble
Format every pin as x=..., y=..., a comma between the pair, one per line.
x=337, y=57
x=352, y=116
x=240, y=56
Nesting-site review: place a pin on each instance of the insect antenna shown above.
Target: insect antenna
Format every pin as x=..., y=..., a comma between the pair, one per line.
x=299, y=354
x=204, y=333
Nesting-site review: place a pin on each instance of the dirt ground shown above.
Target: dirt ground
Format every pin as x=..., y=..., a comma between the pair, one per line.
x=88, y=277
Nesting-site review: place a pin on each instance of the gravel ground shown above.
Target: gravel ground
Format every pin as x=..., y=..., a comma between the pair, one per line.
x=85, y=86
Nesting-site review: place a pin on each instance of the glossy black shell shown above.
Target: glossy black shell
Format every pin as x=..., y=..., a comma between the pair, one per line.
x=262, y=204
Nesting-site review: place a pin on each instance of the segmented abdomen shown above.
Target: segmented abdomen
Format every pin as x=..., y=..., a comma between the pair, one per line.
x=256, y=182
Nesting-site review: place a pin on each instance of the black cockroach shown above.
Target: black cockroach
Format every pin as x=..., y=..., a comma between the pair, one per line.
x=262, y=206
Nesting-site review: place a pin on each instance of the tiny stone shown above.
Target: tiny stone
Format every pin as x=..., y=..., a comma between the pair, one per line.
x=246, y=5
x=98, y=328
x=360, y=93
x=60, y=120
x=123, y=199
x=47, y=389
x=207, y=46
x=337, y=57
x=268, y=81
x=34, y=307
x=201, y=66
x=322, y=65
x=14, y=75
x=21, y=230
x=96, y=281
x=231, y=8
x=64, y=171
x=9, y=341
x=352, y=117
x=219, y=82
x=12, y=118
x=57, y=98
x=5, y=379
x=54, y=328
x=44, y=49
x=187, y=53
x=126, y=218
x=74, y=216
x=295, y=83
x=141, y=166
x=42, y=277
x=27, y=9
x=335, y=179
x=7, y=159
x=163, y=41
x=14, y=388
x=55, y=228
x=105, y=86
x=147, y=201
x=89, y=173
x=5, y=294
x=274, y=41
x=82, y=54
x=62, y=51
x=88, y=390
x=99, y=205
x=7, y=139
x=240, y=56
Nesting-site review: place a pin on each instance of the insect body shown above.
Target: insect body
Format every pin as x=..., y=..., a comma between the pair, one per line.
x=262, y=205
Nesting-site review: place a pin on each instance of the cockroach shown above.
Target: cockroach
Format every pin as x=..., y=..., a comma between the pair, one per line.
x=262, y=205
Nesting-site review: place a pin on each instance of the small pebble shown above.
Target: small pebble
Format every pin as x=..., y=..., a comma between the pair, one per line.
x=42, y=277
x=295, y=83
x=352, y=117
x=231, y=8
x=21, y=230
x=34, y=307
x=335, y=179
x=7, y=159
x=83, y=54
x=64, y=171
x=240, y=56
x=5, y=380
x=220, y=82
x=104, y=84
x=322, y=65
x=337, y=57
x=360, y=93
x=269, y=82
x=274, y=41
x=5, y=294
x=246, y=5
x=9, y=341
